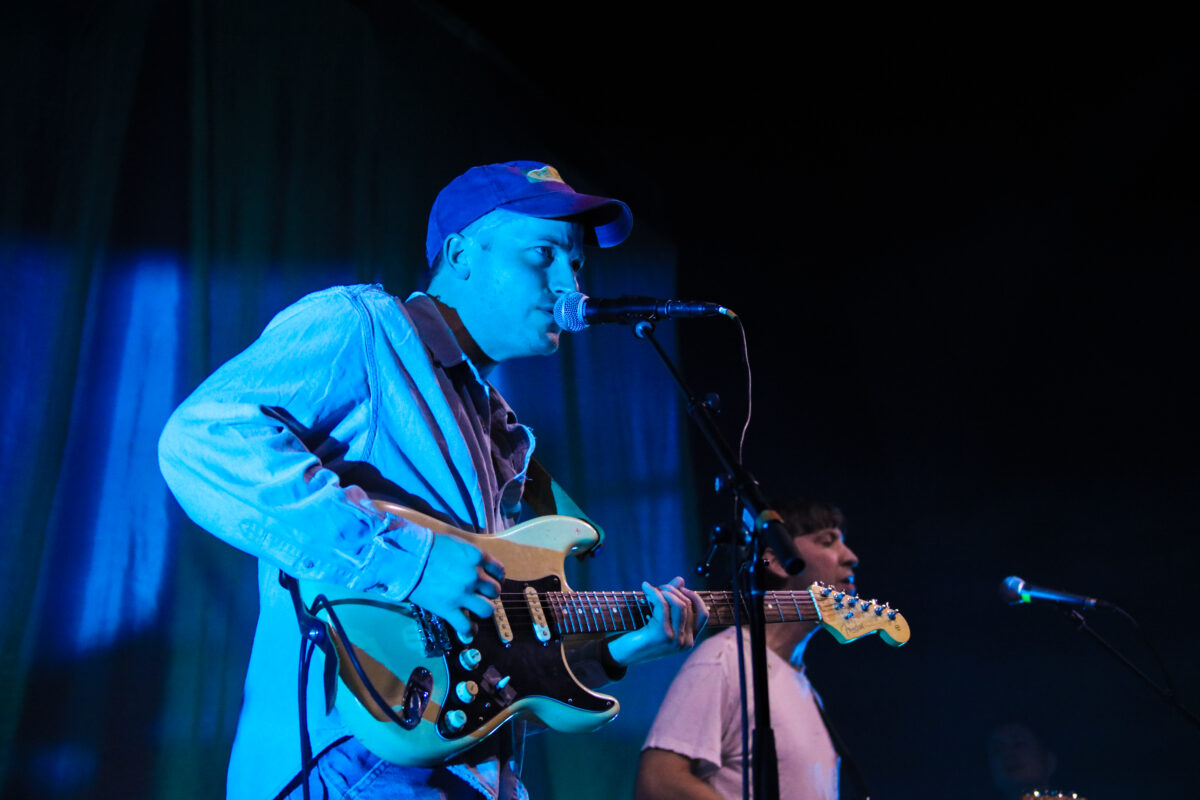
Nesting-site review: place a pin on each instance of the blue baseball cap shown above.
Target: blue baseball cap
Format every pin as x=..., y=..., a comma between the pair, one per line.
x=525, y=187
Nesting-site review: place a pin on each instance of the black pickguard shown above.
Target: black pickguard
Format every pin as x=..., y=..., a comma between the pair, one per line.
x=534, y=668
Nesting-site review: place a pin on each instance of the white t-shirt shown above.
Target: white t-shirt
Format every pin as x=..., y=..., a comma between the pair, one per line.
x=701, y=719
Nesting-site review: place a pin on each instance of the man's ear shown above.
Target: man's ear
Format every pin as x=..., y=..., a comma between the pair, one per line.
x=456, y=256
x=772, y=563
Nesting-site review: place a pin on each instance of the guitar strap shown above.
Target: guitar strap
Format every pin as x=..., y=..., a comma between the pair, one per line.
x=543, y=495
x=844, y=753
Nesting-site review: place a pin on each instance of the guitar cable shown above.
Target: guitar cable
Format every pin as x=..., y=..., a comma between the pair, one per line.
x=307, y=646
x=314, y=635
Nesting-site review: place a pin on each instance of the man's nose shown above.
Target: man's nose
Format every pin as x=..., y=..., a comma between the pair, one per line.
x=562, y=277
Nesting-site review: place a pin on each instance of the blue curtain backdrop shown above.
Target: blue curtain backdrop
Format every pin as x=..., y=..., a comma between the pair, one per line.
x=175, y=174
x=965, y=258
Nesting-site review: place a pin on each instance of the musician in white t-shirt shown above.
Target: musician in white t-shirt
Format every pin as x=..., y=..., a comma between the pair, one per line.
x=694, y=748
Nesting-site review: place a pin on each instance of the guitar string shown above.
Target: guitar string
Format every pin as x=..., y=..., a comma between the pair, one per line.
x=517, y=600
x=637, y=602
x=709, y=598
x=638, y=598
x=591, y=610
x=579, y=612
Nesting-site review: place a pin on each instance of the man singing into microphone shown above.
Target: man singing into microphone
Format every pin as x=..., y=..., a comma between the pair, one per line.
x=352, y=394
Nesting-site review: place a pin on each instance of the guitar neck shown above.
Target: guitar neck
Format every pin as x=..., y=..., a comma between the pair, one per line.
x=793, y=606
x=613, y=612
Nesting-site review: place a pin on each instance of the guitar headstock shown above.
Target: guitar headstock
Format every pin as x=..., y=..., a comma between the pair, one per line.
x=849, y=617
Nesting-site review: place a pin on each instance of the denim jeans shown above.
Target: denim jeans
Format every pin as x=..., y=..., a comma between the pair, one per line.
x=348, y=771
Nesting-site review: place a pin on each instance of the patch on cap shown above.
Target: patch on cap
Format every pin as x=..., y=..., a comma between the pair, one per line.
x=545, y=173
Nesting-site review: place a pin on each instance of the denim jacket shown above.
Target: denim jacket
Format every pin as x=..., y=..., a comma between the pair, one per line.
x=347, y=394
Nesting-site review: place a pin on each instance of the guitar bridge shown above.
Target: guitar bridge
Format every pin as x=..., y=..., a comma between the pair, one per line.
x=434, y=635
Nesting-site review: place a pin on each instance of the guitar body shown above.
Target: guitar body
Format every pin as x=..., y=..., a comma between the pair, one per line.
x=451, y=694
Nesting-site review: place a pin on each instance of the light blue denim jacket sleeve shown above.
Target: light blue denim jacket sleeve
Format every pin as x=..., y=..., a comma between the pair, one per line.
x=254, y=454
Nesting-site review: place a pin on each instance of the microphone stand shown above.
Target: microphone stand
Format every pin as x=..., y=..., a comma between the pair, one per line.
x=764, y=528
x=1167, y=694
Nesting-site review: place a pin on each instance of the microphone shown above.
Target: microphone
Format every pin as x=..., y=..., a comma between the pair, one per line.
x=1016, y=591
x=574, y=311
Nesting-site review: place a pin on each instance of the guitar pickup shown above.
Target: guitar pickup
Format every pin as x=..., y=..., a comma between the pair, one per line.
x=503, y=627
x=541, y=628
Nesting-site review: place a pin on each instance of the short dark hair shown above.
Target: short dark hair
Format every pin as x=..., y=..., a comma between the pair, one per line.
x=808, y=516
x=801, y=516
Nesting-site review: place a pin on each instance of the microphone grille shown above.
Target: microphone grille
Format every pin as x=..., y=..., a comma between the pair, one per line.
x=568, y=311
x=1011, y=589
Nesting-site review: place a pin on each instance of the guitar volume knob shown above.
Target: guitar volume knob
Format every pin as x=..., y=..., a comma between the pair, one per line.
x=470, y=658
x=456, y=720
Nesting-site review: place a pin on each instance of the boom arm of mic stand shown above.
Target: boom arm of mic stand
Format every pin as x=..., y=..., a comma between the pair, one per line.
x=767, y=525
x=1166, y=694
x=767, y=530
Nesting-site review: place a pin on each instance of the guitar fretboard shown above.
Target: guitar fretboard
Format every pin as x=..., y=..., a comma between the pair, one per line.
x=610, y=612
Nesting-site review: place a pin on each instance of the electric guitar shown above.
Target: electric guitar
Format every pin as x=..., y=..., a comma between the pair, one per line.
x=445, y=693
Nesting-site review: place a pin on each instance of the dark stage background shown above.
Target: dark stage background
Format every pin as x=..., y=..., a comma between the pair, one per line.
x=964, y=251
